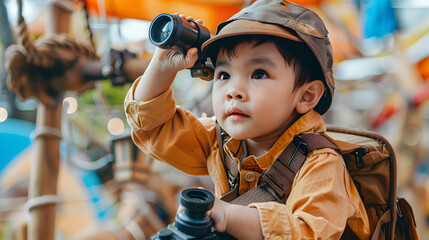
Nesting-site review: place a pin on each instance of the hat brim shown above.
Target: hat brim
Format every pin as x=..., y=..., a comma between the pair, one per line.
x=249, y=27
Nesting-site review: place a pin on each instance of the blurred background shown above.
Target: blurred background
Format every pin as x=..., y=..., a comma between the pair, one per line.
x=106, y=188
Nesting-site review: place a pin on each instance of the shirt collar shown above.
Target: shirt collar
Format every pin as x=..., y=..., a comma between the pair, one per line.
x=310, y=122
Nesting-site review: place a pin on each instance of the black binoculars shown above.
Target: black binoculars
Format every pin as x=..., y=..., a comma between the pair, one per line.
x=193, y=223
x=170, y=31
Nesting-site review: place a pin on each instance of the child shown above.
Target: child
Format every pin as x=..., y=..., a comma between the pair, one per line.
x=272, y=80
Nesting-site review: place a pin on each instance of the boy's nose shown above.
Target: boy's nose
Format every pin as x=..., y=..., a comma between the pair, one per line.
x=234, y=94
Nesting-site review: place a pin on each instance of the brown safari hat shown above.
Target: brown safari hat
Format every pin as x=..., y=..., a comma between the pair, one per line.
x=287, y=20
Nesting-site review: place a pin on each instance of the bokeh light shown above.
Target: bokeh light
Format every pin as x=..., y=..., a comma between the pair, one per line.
x=3, y=114
x=115, y=126
x=72, y=104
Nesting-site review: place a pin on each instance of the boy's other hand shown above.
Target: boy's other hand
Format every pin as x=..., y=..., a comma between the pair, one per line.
x=219, y=214
x=231, y=218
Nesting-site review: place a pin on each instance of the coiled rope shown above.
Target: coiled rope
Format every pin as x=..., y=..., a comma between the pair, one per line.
x=44, y=52
x=88, y=27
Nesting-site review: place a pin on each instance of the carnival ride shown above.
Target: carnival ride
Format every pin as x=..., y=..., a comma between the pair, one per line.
x=78, y=181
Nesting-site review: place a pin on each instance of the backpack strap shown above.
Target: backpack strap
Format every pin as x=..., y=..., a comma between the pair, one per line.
x=283, y=170
x=277, y=178
x=280, y=175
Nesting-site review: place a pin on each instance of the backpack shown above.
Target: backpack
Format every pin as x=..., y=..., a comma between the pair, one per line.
x=371, y=162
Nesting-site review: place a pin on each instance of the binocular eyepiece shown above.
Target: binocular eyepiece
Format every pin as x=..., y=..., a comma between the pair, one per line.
x=170, y=31
x=192, y=223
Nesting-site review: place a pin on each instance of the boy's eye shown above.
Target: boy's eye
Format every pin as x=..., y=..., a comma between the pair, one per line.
x=259, y=74
x=223, y=76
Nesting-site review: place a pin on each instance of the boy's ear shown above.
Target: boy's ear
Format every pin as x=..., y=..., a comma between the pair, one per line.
x=311, y=93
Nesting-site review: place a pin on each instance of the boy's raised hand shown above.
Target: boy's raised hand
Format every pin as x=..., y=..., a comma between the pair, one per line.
x=173, y=60
x=162, y=69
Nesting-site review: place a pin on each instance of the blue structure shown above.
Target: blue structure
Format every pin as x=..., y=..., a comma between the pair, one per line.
x=14, y=138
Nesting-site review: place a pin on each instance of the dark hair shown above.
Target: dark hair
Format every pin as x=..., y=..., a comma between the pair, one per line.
x=296, y=54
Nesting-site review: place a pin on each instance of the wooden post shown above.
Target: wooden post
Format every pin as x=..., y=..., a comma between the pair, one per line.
x=44, y=172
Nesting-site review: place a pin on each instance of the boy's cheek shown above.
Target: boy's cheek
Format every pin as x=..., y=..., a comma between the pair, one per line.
x=218, y=109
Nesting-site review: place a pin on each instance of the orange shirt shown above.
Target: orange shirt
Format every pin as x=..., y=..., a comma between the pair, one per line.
x=323, y=197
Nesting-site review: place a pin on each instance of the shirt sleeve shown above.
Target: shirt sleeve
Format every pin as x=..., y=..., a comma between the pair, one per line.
x=319, y=205
x=169, y=133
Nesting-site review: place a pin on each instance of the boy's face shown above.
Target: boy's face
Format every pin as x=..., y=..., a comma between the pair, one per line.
x=253, y=95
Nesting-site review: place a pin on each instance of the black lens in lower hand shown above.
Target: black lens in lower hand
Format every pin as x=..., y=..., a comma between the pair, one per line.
x=193, y=220
x=192, y=223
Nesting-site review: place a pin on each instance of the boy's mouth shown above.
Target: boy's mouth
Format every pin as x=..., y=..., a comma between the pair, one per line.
x=236, y=113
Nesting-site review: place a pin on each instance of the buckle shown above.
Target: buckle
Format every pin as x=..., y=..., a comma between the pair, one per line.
x=231, y=180
x=359, y=153
x=300, y=144
x=398, y=209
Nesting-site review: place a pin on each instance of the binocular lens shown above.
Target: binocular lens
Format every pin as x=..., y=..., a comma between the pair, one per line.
x=170, y=31
x=166, y=31
x=197, y=200
x=161, y=30
x=193, y=221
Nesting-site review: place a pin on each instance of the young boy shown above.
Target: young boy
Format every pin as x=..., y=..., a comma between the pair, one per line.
x=272, y=80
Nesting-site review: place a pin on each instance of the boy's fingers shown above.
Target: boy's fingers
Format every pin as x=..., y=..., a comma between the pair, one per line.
x=192, y=52
x=209, y=214
x=180, y=209
x=183, y=16
x=189, y=18
x=191, y=57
